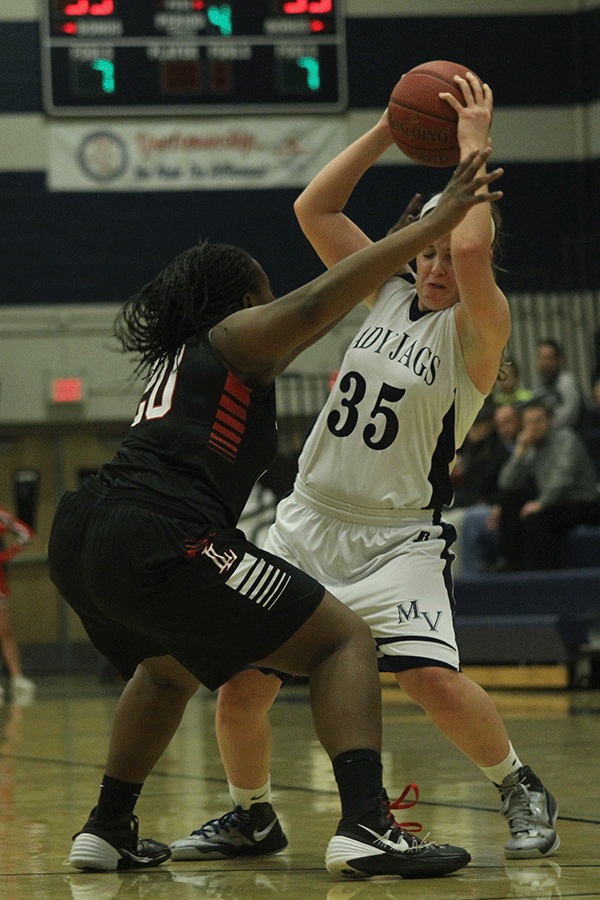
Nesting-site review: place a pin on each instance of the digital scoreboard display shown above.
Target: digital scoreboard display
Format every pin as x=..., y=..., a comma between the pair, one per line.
x=177, y=57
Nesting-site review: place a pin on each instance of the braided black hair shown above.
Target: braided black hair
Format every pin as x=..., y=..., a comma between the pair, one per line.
x=197, y=289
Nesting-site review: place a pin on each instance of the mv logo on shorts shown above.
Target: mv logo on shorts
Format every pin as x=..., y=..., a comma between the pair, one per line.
x=259, y=580
x=409, y=611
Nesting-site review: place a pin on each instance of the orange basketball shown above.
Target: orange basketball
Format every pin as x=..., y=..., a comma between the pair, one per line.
x=424, y=127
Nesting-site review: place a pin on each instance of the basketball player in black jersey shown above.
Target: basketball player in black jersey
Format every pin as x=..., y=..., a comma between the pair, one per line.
x=148, y=553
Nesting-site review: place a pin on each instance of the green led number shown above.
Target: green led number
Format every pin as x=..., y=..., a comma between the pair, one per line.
x=108, y=74
x=220, y=17
x=313, y=77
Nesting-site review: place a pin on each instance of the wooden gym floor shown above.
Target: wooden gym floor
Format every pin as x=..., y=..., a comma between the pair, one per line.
x=51, y=763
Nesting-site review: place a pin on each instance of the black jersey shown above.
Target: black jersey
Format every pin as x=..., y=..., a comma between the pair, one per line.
x=199, y=441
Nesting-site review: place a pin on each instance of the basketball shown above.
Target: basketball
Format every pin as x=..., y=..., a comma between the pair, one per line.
x=424, y=127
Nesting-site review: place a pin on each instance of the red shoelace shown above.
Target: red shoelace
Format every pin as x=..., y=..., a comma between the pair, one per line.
x=403, y=803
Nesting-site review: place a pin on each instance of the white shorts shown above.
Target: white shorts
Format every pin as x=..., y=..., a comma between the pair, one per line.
x=394, y=573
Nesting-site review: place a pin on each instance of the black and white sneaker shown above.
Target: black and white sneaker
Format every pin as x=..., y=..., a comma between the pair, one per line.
x=240, y=832
x=531, y=811
x=372, y=843
x=105, y=846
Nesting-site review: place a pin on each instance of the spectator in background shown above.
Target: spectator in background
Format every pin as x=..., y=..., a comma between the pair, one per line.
x=479, y=460
x=590, y=429
x=479, y=539
x=548, y=486
x=507, y=422
x=508, y=390
x=558, y=388
x=476, y=490
x=22, y=689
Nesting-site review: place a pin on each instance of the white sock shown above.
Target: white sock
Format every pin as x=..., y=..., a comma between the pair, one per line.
x=245, y=798
x=509, y=765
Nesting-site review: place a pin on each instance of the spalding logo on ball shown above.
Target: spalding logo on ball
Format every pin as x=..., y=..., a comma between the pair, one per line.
x=425, y=127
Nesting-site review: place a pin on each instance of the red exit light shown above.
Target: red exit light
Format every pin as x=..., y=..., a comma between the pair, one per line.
x=67, y=390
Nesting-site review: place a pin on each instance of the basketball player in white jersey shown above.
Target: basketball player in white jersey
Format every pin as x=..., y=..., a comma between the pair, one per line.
x=366, y=514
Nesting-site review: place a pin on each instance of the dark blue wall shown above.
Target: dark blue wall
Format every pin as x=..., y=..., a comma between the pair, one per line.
x=86, y=248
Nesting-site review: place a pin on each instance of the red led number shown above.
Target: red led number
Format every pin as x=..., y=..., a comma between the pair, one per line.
x=316, y=7
x=85, y=7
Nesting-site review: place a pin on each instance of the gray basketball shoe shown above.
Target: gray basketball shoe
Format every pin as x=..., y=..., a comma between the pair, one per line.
x=531, y=811
x=253, y=832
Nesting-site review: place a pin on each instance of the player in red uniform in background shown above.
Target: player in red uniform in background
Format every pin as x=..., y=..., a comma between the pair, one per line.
x=22, y=689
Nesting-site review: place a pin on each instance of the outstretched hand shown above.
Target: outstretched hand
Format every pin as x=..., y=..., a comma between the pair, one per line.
x=460, y=194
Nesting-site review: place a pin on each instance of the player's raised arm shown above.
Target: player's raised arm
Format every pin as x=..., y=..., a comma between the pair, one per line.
x=259, y=341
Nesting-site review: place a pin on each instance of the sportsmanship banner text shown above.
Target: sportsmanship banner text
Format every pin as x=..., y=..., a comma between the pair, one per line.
x=228, y=153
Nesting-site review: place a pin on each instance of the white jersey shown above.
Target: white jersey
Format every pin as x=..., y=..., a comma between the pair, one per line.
x=401, y=406
x=364, y=515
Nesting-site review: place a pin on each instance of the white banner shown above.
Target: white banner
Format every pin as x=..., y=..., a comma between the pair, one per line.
x=170, y=156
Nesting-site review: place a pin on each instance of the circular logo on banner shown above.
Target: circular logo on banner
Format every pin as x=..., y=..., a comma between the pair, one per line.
x=103, y=156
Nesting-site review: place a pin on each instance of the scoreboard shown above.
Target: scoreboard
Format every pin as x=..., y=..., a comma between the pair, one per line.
x=178, y=57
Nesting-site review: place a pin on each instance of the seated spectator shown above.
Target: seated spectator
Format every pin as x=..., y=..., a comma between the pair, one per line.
x=479, y=524
x=507, y=422
x=590, y=429
x=475, y=477
x=479, y=460
x=548, y=486
x=558, y=388
x=595, y=373
x=508, y=390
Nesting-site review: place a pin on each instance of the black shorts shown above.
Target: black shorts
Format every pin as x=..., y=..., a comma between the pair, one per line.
x=147, y=584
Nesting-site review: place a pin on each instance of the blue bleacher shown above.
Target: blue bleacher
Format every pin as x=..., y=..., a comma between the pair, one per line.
x=541, y=617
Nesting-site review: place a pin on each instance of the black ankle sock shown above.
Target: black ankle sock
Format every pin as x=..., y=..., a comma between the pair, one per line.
x=358, y=774
x=117, y=798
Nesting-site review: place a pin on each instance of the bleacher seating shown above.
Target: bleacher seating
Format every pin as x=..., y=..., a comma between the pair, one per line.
x=584, y=543
x=542, y=617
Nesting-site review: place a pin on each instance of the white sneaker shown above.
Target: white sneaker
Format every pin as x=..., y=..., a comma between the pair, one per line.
x=531, y=811
x=22, y=690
